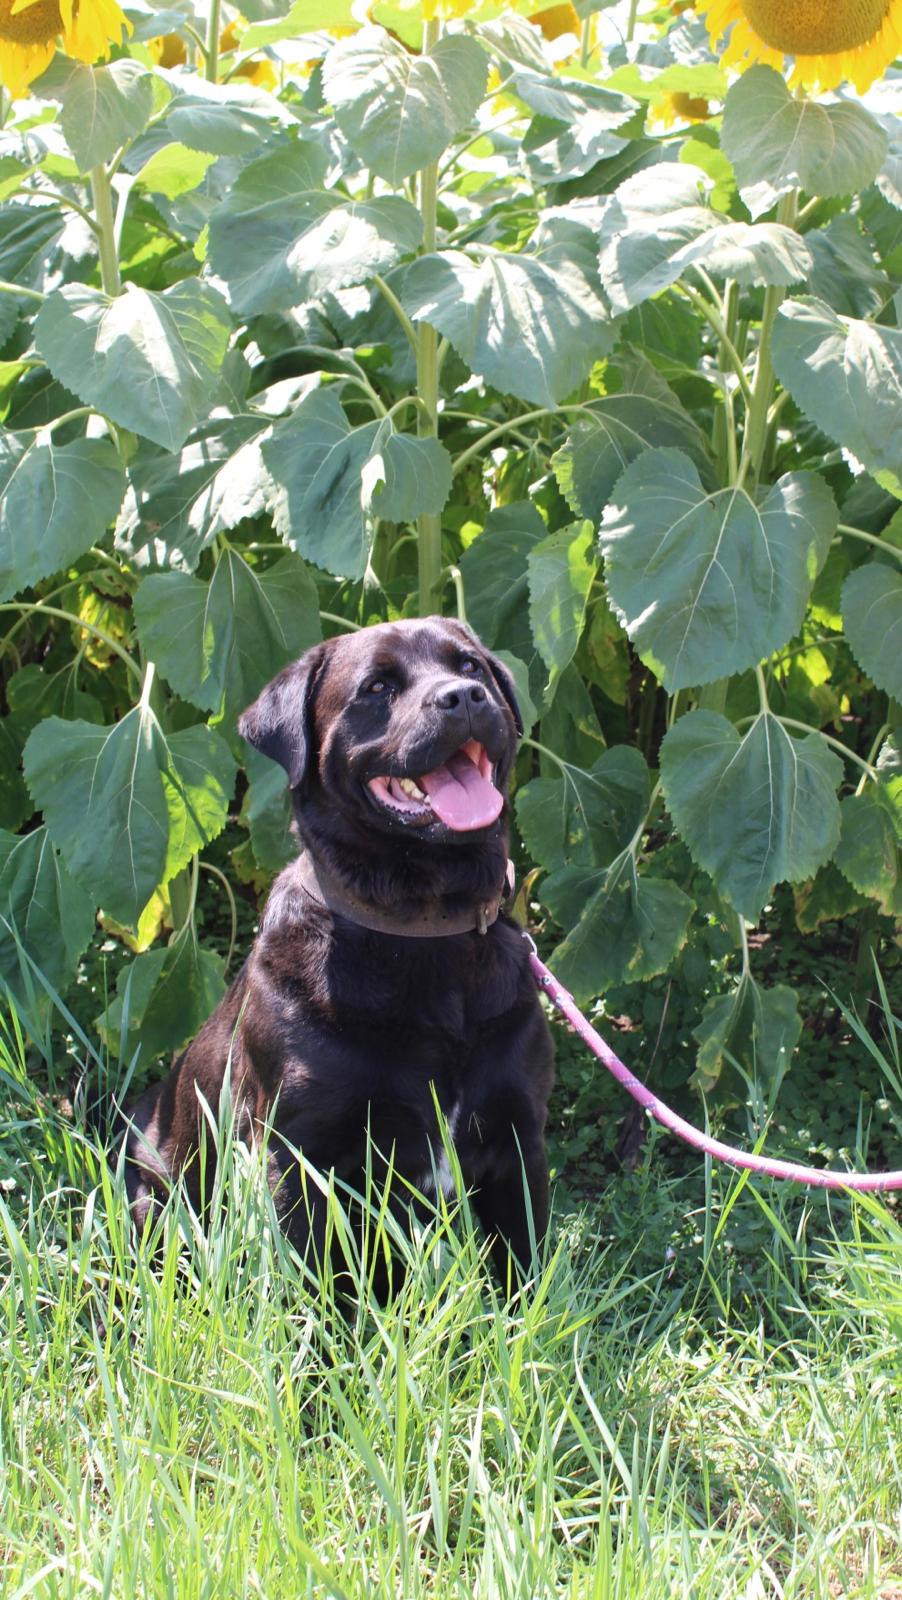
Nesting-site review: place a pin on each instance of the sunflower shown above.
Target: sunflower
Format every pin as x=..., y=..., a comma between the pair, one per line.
x=31, y=29
x=829, y=41
x=679, y=107
x=255, y=70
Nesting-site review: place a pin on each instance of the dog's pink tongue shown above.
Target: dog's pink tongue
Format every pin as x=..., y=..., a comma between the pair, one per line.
x=461, y=796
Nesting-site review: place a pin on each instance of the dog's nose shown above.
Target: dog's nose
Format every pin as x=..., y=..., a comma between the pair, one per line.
x=460, y=694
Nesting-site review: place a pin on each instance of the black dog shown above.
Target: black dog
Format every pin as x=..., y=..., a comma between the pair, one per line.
x=384, y=975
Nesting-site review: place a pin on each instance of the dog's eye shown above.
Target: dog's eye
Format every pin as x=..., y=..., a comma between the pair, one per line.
x=378, y=686
x=470, y=667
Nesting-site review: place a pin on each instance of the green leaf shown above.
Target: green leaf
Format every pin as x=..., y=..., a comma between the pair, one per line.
x=778, y=142
x=846, y=375
x=707, y=584
x=869, y=852
x=218, y=643
x=824, y=898
x=400, y=111
x=872, y=617
x=151, y=362
x=585, y=818
x=560, y=570
x=531, y=325
x=55, y=502
x=15, y=803
x=278, y=238
x=267, y=812
x=612, y=431
x=332, y=479
x=33, y=693
x=570, y=725
x=404, y=475
x=305, y=16
x=754, y=809
x=127, y=806
x=174, y=170
x=758, y=1027
x=496, y=583
x=27, y=235
x=162, y=999
x=223, y=119
x=51, y=914
x=576, y=125
x=845, y=273
x=102, y=107
x=177, y=502
x=630, y=929
x=659, y=224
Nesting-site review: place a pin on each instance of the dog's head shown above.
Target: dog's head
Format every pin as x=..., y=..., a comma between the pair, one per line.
x=409, y=728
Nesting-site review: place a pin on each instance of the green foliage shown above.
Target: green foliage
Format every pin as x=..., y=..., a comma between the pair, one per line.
x=778, y=142
x=754, y=808
x=273, y=363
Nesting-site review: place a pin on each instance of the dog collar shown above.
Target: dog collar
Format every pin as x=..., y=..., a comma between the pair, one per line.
x=323, y=886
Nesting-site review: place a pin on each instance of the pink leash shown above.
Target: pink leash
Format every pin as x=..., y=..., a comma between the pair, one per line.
x=817, y=1176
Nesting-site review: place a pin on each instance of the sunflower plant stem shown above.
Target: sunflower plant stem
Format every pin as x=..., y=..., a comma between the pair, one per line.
x=43, y=610
x=19, y=289
x=429, y=524
x=211, y=49
x=756, y=430
x=102, y=194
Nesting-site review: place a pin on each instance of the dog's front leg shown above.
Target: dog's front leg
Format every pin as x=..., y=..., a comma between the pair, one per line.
x=505, y=1152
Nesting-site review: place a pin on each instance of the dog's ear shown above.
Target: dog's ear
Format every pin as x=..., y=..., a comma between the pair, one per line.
x=508, y=688
x=280, y=722
x=499, y=672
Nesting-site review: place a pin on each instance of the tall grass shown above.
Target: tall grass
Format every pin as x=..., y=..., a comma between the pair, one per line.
x=206, y=1420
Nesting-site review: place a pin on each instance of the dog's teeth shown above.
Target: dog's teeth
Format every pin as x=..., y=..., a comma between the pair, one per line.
x=412, y=788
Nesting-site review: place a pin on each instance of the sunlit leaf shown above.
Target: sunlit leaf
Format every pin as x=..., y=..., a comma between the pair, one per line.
x=708, y=583
x=151, y=362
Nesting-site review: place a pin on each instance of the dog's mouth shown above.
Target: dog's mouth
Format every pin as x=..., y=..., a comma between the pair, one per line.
x=460, y=793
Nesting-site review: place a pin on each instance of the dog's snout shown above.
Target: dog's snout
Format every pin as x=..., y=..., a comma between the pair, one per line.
x=460, y=694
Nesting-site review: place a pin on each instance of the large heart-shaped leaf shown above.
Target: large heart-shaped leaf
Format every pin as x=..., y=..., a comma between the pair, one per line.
x=151, y=362
x=177, y=502
x=630, y=928
x=278, y=238
x=869, y=853
x=575, y=125
x=659, y=224
x=872, y=617
x=846, y=374
x=102, y=107
x=399, y=111
x=708, y=583
x=55, y=502
x=495, y=570
x=759, y=1028
x=42, y=907
x=218, y=643
x=610, y=432
x=561, y=569
x=585, y=817
x=531, y=325
x=162, y=998
x=754, y=809
x=778, y=141
x=128, y=806
x=331, y=480
x=222, y=119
